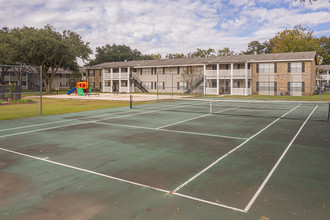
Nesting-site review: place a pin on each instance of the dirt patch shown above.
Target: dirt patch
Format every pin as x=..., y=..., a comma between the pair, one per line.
x=70, y=206
x=10, y=184
x=6, y=161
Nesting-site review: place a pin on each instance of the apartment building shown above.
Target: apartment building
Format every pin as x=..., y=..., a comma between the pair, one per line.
x=323, y=76
x=262, y=74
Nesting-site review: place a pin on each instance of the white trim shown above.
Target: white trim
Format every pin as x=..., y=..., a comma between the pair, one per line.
x=276, y=165
x=272, y=61
x=174, y=65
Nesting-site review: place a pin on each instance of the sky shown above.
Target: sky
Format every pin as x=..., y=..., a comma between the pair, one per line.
x=167, y=26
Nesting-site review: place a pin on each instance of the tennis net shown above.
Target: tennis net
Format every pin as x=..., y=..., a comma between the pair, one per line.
x=243, y=108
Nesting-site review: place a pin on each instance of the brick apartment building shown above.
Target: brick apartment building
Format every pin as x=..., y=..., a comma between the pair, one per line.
x=262, y=74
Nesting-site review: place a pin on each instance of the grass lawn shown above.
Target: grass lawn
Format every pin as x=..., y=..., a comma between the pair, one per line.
x=54, y=106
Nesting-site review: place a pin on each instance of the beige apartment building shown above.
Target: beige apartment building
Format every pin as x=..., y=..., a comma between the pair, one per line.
x=262, y=74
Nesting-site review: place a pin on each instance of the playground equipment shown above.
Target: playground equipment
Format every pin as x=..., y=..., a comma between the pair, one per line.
x=81, y=88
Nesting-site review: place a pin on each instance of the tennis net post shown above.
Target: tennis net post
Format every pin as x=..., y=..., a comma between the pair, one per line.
x=130, y=101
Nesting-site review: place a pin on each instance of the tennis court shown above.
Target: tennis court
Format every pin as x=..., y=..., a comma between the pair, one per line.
x=176, y=159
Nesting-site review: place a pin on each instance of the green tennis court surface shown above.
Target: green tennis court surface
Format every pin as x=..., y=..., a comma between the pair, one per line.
x=170, y=160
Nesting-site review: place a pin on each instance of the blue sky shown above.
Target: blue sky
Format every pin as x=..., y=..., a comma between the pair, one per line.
x=163, y=26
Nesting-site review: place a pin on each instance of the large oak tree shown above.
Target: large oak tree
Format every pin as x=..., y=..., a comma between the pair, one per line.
x=43, y=47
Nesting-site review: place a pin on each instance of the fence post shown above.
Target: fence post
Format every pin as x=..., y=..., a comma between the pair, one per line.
x=40, y=90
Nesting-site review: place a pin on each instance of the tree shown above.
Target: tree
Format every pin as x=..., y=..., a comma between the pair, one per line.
x=295, y=40
x=324, y=50
x=255, y=47
x=226, y=52
x=203, y=53
x=74, y=77
x=174, y=55
x=116, y=53
x=47, y=48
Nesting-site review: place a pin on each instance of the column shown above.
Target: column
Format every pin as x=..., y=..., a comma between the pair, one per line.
x=231, y=78
x=246, y=79
x=204, y=79
x=119, y=80
x=102, y=78
x=128, y=80
x=111, y=79
x=218, y=77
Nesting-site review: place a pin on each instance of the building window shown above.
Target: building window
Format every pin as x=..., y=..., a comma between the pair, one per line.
x=257, y=86
x=92, y=84
x=91, y=73
x=124, y=70
x=183, y=70
x=160, y=70
x=106, y=70
x=161, y=85
x=155, y=85
x=116, y=70
x=249, y=84
x=64, y=84
x=266, y=68
x=100, y=85
x=227, y=66
x=107, y=83
x=214, y=67
x=124, y=83
x=146, y=71
x=214, y=84
x=238, y=84
x=296, y=67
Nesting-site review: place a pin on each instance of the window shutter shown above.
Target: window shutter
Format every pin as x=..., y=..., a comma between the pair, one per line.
x=257, y=86
x=289, y=67
x=303, y=67
x=152, y=86
x=275, y=68
x=289, y=87
x=178, y=70
x=303, y=86
x=163, y=85
x=275, y=86
x=178, y=85
x=257, y=67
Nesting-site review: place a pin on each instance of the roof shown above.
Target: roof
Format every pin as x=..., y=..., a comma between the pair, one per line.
x=323, y=67
x=310, y=55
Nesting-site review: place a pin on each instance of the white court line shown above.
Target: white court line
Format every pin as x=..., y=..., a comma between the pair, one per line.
x=47, y=123
x=209, y=202
x=55, y=122
x=84, y=170
x=276, y=165
x=122, y=116
x=62, y=126
x=202, y=116
x=120, y=179
x=231, y=151
x=173, y=131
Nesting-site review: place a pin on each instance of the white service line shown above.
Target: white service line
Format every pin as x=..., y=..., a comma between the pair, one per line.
x=67, y=120
x=62, y=126
x=84, y=170
x=228, y=153
x=276, y=165
x=172, y=131
x=190, y=119
x=120, y=179
x=122, y=116
x=47, y=123
x=209, y=202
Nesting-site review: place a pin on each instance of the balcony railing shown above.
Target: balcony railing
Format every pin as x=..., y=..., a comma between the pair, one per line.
x=237, y=73
x=122, y=75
